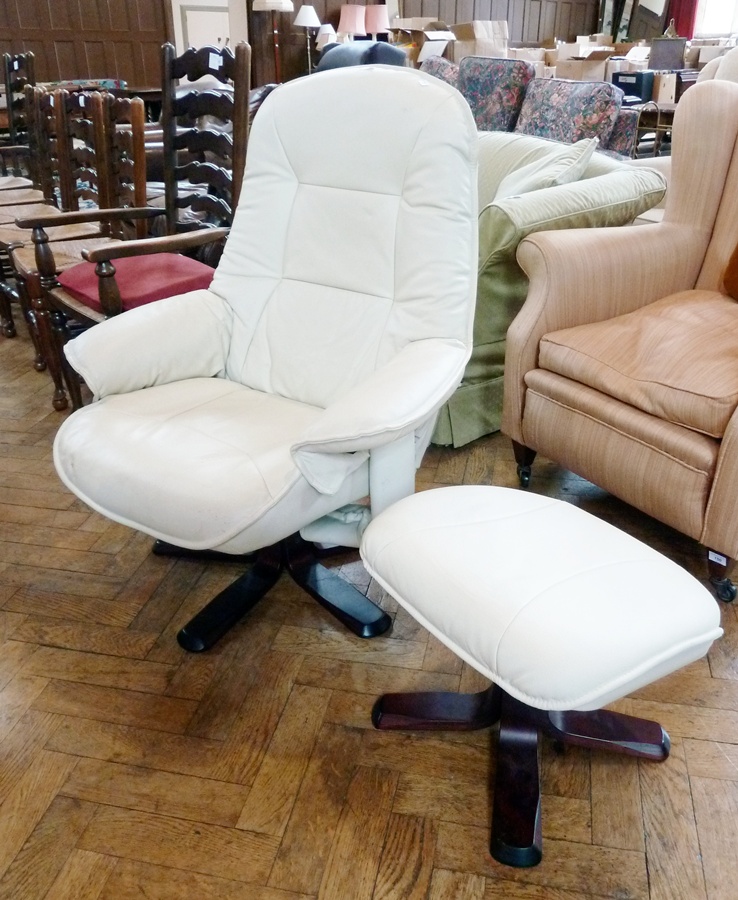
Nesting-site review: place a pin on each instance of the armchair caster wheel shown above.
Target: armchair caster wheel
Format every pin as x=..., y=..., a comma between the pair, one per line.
x=725, y=589
x=524, y=476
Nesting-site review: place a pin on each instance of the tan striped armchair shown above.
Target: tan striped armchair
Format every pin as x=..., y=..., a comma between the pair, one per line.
x=622, y=364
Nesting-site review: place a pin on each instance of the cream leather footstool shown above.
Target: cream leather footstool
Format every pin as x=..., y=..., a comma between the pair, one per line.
x=561, y=611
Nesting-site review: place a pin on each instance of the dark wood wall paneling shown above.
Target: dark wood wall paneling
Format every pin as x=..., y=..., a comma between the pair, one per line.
x=122, y=38
x=88, y=38
x=528, y=20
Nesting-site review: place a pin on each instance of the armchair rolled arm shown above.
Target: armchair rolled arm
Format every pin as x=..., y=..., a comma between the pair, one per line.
x=174, y=339
x=392, y=402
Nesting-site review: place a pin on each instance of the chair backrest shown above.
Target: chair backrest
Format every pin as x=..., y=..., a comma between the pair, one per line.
x=568, y=111
x=18, y=72
x=43, y=160
x=704, y=197
x=624, y=135
x=350, y=243
x=495, y=89
x=441, y=68
x=205, y=130
x=101, y=152
x=80, y=149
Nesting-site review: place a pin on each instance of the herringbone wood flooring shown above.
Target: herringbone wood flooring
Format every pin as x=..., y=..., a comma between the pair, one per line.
x=131, y=769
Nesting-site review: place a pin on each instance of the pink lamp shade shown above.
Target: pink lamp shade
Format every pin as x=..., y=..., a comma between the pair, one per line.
x=376, y=19
x=352, y=19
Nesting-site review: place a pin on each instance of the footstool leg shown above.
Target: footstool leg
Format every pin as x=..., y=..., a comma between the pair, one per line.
x=605, y=730
x=437, y=711
x=516, y=812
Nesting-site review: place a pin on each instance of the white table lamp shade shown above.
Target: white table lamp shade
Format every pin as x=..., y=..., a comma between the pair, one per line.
x=307, y=17
x=376, y=20
x=352, y=19
x=326, y=35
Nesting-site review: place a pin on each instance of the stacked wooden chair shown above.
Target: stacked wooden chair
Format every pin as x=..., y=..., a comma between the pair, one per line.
x=72, y=285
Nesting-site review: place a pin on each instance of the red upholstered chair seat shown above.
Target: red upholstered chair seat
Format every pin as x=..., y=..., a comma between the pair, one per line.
x=140, y=279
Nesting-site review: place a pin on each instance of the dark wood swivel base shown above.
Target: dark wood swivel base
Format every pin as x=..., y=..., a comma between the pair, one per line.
x=298, y=559
x=516, y=813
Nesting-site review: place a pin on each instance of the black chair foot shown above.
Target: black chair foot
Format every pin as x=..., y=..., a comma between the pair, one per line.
x=338, y=597
x=341, y=599
x=231, y=605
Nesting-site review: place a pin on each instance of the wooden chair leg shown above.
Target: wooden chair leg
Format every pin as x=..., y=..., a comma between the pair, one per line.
x=47, y=340
x=516, y=816
x=719, y=568
x=516, y=838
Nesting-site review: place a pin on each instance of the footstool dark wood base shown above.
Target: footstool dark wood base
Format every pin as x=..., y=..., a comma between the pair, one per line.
x=516, y=814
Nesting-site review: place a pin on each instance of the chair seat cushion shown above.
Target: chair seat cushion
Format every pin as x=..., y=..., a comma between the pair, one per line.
x=675, y=359
x=247, y=491
x=557, y=607
x=140, y=279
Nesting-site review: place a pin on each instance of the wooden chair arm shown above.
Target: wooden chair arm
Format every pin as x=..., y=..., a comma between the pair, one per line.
x=90, y=215
x=167, y=244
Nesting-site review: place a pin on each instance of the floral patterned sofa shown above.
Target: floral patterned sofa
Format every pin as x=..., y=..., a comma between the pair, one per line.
x=504, y=95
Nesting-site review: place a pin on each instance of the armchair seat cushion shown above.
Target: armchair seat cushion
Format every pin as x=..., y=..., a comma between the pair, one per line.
x=236, y=439
x=140, y=280
x=674, y=359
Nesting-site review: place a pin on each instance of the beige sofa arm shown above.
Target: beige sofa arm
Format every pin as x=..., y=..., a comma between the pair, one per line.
x=587, y=275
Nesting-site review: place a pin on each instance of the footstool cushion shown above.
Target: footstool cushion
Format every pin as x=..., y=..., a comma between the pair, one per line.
x=560, y=609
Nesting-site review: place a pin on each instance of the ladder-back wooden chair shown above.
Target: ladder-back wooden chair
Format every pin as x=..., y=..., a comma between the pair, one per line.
x=102, y=136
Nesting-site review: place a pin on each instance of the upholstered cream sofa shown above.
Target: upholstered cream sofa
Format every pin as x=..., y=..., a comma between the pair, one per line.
x=529, y=184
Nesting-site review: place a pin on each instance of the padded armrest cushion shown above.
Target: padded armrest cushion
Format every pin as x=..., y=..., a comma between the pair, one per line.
x=391, y=403
x=612, y=199
x=180, y=337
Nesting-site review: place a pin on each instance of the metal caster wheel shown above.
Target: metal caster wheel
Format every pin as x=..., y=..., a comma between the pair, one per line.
x=524, y=476
x=725, y=589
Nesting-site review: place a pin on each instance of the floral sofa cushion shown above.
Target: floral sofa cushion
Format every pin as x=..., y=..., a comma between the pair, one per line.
x=494, y=89
x=568, y=111
x=442, y=68
x=624, y=135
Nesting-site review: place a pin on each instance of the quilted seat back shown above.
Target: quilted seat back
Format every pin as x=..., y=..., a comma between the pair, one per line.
x=495, y=89
x=348, y=245
x=569, y=111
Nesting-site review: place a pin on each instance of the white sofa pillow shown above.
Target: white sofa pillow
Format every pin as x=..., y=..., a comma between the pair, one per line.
x=562, y=165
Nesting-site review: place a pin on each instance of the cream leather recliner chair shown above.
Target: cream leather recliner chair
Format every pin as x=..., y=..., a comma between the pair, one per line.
x=622, y=365
x=309, y=375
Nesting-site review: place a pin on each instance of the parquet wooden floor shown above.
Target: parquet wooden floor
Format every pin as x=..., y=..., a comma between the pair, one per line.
x=129, y=769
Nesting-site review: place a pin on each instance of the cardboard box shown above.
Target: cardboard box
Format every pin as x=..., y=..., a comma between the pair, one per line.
x=591, y=66
x=420, y=44
x=528, y=54
x=664, y=87
x=480, y=38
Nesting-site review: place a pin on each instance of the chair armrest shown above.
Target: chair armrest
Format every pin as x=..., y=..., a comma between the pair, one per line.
x=614, y=198
x=172, y=243
x=173, y=339
x=394, y=401
x=89, y=215
x=588, y=275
